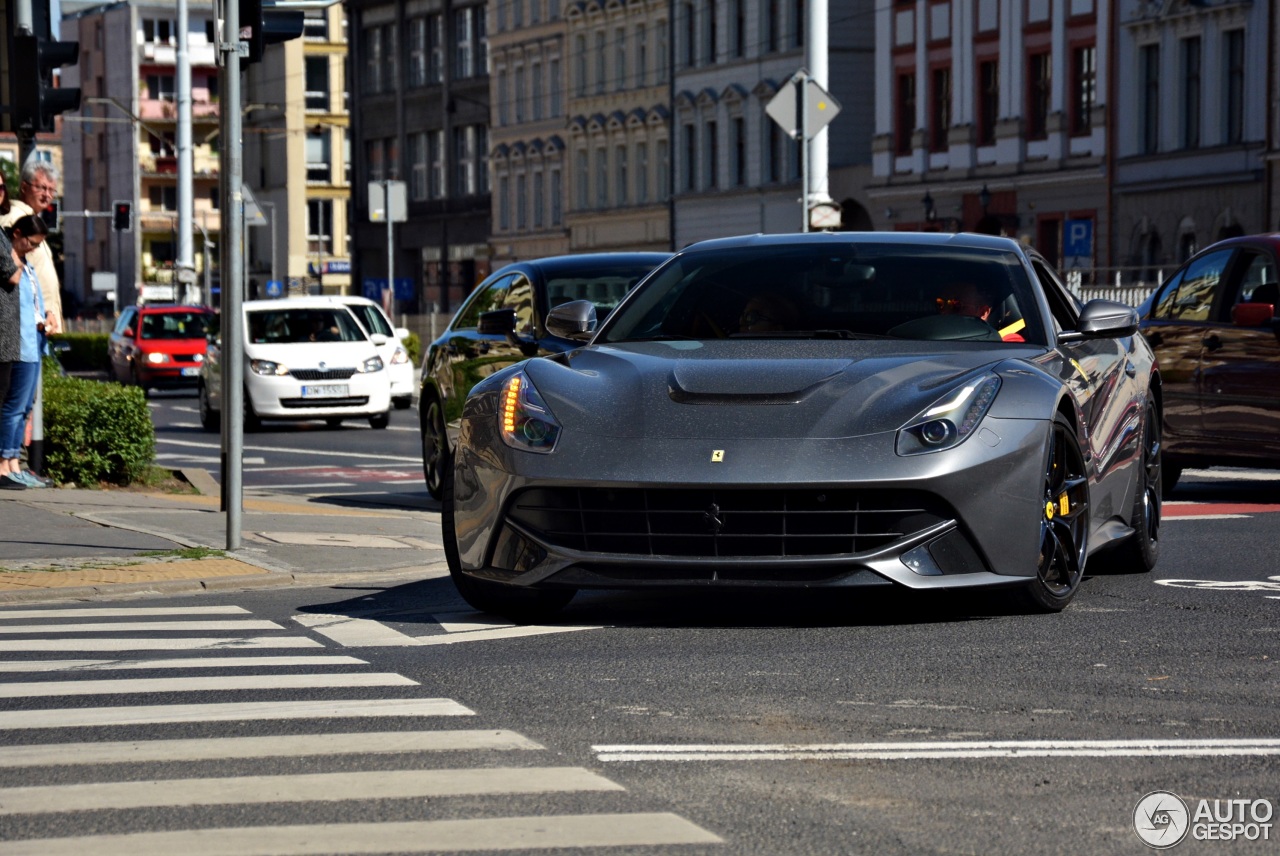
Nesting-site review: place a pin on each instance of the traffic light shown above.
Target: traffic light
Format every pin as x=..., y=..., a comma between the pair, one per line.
x=122, y=216
x=261, y=25
x=34, y=97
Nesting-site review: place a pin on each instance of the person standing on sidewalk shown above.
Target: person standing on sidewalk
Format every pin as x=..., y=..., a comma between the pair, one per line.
x=10, y=314
x=27, y=234
x=36, y=192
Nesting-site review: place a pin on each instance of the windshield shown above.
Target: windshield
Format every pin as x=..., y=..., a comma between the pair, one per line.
x=174, y=325
x=856, y=291
x=604, y=286
x=287, y=326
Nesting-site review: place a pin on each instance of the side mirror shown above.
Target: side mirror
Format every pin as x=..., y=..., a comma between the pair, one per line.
x=378, y=339
x=128, y=333
x=402, y=333
x=1103, y=319
x=575, y=320
x=497, y=322
x=1252, y=314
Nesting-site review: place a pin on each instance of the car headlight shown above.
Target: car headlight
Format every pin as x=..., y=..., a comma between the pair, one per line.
x=267, y=368
x=373, y=364
x=951, y=419
x=156, y=357
x=524, y=419
x=400, y=357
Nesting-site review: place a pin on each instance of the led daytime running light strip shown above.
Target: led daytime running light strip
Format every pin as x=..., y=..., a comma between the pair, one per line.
x=510, y=400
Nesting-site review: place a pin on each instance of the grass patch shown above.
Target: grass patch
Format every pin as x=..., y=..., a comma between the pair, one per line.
x=186, y=553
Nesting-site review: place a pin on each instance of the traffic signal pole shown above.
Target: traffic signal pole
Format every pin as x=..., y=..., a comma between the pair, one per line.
x=230, y=50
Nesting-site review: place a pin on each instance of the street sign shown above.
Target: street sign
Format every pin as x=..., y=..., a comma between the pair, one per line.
x=820, y=107
x=379, y=203
x=824, y=215
x=253, y=215
x=274, y=288
x=403, y=288
x=104, y=281
x=1077, y=244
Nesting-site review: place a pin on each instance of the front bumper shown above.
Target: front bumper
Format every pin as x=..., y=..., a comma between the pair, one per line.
x=768, y=513
x=287, y=397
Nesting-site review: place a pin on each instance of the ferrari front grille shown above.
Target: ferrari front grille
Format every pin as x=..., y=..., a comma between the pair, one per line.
x=322, y=374
x=743, y=522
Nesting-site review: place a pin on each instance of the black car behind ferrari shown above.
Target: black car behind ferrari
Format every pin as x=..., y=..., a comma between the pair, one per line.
x=822, y=410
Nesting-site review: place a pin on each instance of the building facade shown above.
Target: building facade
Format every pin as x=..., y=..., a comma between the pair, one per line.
x=420, y=90
x=297, y=162
x=121, y=147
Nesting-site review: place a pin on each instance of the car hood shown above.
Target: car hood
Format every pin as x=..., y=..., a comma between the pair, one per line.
x=311, y=354
x=757, y=389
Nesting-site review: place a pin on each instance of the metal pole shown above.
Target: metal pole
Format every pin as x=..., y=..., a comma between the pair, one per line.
x=186, y=263
x=800, y=80
x=391, y=253
x=233, y=283
x=816, y=60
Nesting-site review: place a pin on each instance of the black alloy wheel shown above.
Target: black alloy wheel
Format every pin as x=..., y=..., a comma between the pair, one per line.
x=435, y=445
x=1064, y=521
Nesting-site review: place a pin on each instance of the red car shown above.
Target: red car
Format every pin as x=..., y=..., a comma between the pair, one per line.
x=159, y=345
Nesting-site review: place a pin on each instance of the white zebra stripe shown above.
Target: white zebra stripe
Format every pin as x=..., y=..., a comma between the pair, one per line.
x=84, y=717
x=45, y=689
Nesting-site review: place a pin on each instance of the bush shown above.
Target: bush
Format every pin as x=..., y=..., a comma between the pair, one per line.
x=413, y=345
x=95, y=432
x=88, y=352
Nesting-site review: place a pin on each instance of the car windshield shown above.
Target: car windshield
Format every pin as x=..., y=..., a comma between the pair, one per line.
x=372, y=319
x=174, y=325
x=605, y=286
x=286, y=326
x=824, y=290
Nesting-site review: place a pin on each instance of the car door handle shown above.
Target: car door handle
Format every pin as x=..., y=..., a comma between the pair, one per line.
x=1212, y=342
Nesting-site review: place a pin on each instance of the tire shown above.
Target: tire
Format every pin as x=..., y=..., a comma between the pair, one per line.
x=380, y=420
x=137, y=381
x=252, y=421
x=521, y=605
x=1063, y=536
x=334, y=422
x=1169, y=475
x=402, y=402
x=210, y=419
x=435, y=447
x=1140, y=552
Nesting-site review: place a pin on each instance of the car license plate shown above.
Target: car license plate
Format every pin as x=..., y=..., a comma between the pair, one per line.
x=191, y=372
x=325, y=390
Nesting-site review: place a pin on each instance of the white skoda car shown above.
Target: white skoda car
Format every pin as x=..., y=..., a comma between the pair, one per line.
x=393, y=352
x=305, y=358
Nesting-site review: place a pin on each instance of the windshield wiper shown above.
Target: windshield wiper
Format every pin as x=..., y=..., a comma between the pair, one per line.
x=809, y=334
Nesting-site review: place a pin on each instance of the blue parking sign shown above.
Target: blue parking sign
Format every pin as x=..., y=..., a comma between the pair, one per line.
x=1077, y=238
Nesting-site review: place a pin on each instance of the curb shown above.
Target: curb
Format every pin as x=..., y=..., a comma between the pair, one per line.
x=172, y=587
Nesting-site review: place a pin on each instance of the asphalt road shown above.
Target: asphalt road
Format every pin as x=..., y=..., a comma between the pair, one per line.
x=798, y=724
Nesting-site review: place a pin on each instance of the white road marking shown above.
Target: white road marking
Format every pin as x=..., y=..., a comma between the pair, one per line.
x=942, y=749
x=290, y=486
x=592, y=831
x=40, y=689
x=320, y=453
x=202, y=459
x=176, y=663
x=335, y=539
x=122, y=612
x=302, y=787
x=275, y=746
x=1175, y=518
x=228, y=712
x=199, y=643
x=113, y=627
x=1227, y=473
x=366, y=633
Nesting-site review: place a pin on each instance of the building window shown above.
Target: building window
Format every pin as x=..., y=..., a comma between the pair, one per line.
x=738, y=143
x=519, y=95
x=163, y=197
x=988, y=101
x=602, y=177
x=689, y=22
x=539, y=200
x=1233, y=103
x=517, y=14
x=642, y=173
x=418, y=166
x=435, y=44
x=1038, y=83
x=373, y=59
x=642, y=56
x=711, y=31
x=504, y=98
x=557, y=208
x=318, y=158
x=464, y=148
x=315, y=25
x=418, y=52
x=316, y=71
x=464, y=36
x=557, y=105
x=738, y=33
x=940, y=109
x=581, y=178
x=522, y=203
x=797, y=23
x=771, y=21
x=1149, y=109
x=689, y=166
x=160, y=87
x=620, y=175
x=320, y=226
x=389, y=72
x=620, y=59
x=711, y=148
x=662, y=61
x=664, y=170
x=601, y=66
x=1084, y=89
x=1191, y=93
x=580, y=66
x=435, y=159
x=535, y=95
x=906, y=114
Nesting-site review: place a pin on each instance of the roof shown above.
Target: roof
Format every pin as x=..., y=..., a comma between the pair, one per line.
x=935, y=239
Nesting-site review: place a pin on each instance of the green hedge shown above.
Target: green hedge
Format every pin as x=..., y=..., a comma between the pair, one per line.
x=95, y=432
x=413, y=345
x=88, y=352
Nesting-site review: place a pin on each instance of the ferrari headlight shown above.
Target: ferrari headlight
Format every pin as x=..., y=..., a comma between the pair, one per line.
x=373, y=364
x=951, y=419
x=267, y=368
x=524, y=418
x=400, y=357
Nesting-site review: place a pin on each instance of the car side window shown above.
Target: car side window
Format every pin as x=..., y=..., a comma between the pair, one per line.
x=1194, y=297
x=1165, y=302
x=1062, y=303
x=1259, y=283
x=490, y=297
x=126, y=320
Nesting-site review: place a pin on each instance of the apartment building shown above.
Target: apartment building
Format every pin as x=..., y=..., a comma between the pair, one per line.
x=121, y=145
x=1197, y=83
x=297, y=162
x=420, y=91
x=992, y=116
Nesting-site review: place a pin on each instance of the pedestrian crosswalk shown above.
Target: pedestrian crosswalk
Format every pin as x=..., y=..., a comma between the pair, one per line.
x=185, y=760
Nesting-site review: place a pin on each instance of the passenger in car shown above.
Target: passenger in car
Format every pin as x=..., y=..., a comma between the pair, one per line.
x=963, y=297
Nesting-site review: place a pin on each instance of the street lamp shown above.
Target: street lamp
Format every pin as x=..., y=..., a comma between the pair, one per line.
x=984, y=199
x=930, y=213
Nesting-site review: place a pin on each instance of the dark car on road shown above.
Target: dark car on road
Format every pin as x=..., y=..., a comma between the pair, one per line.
x=159, y=345
x=504, y=322
x=1214, y=330
x=834, y=410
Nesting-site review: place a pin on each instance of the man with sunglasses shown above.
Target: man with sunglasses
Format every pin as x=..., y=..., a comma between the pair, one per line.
x=36, y=193
x=966, y=298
